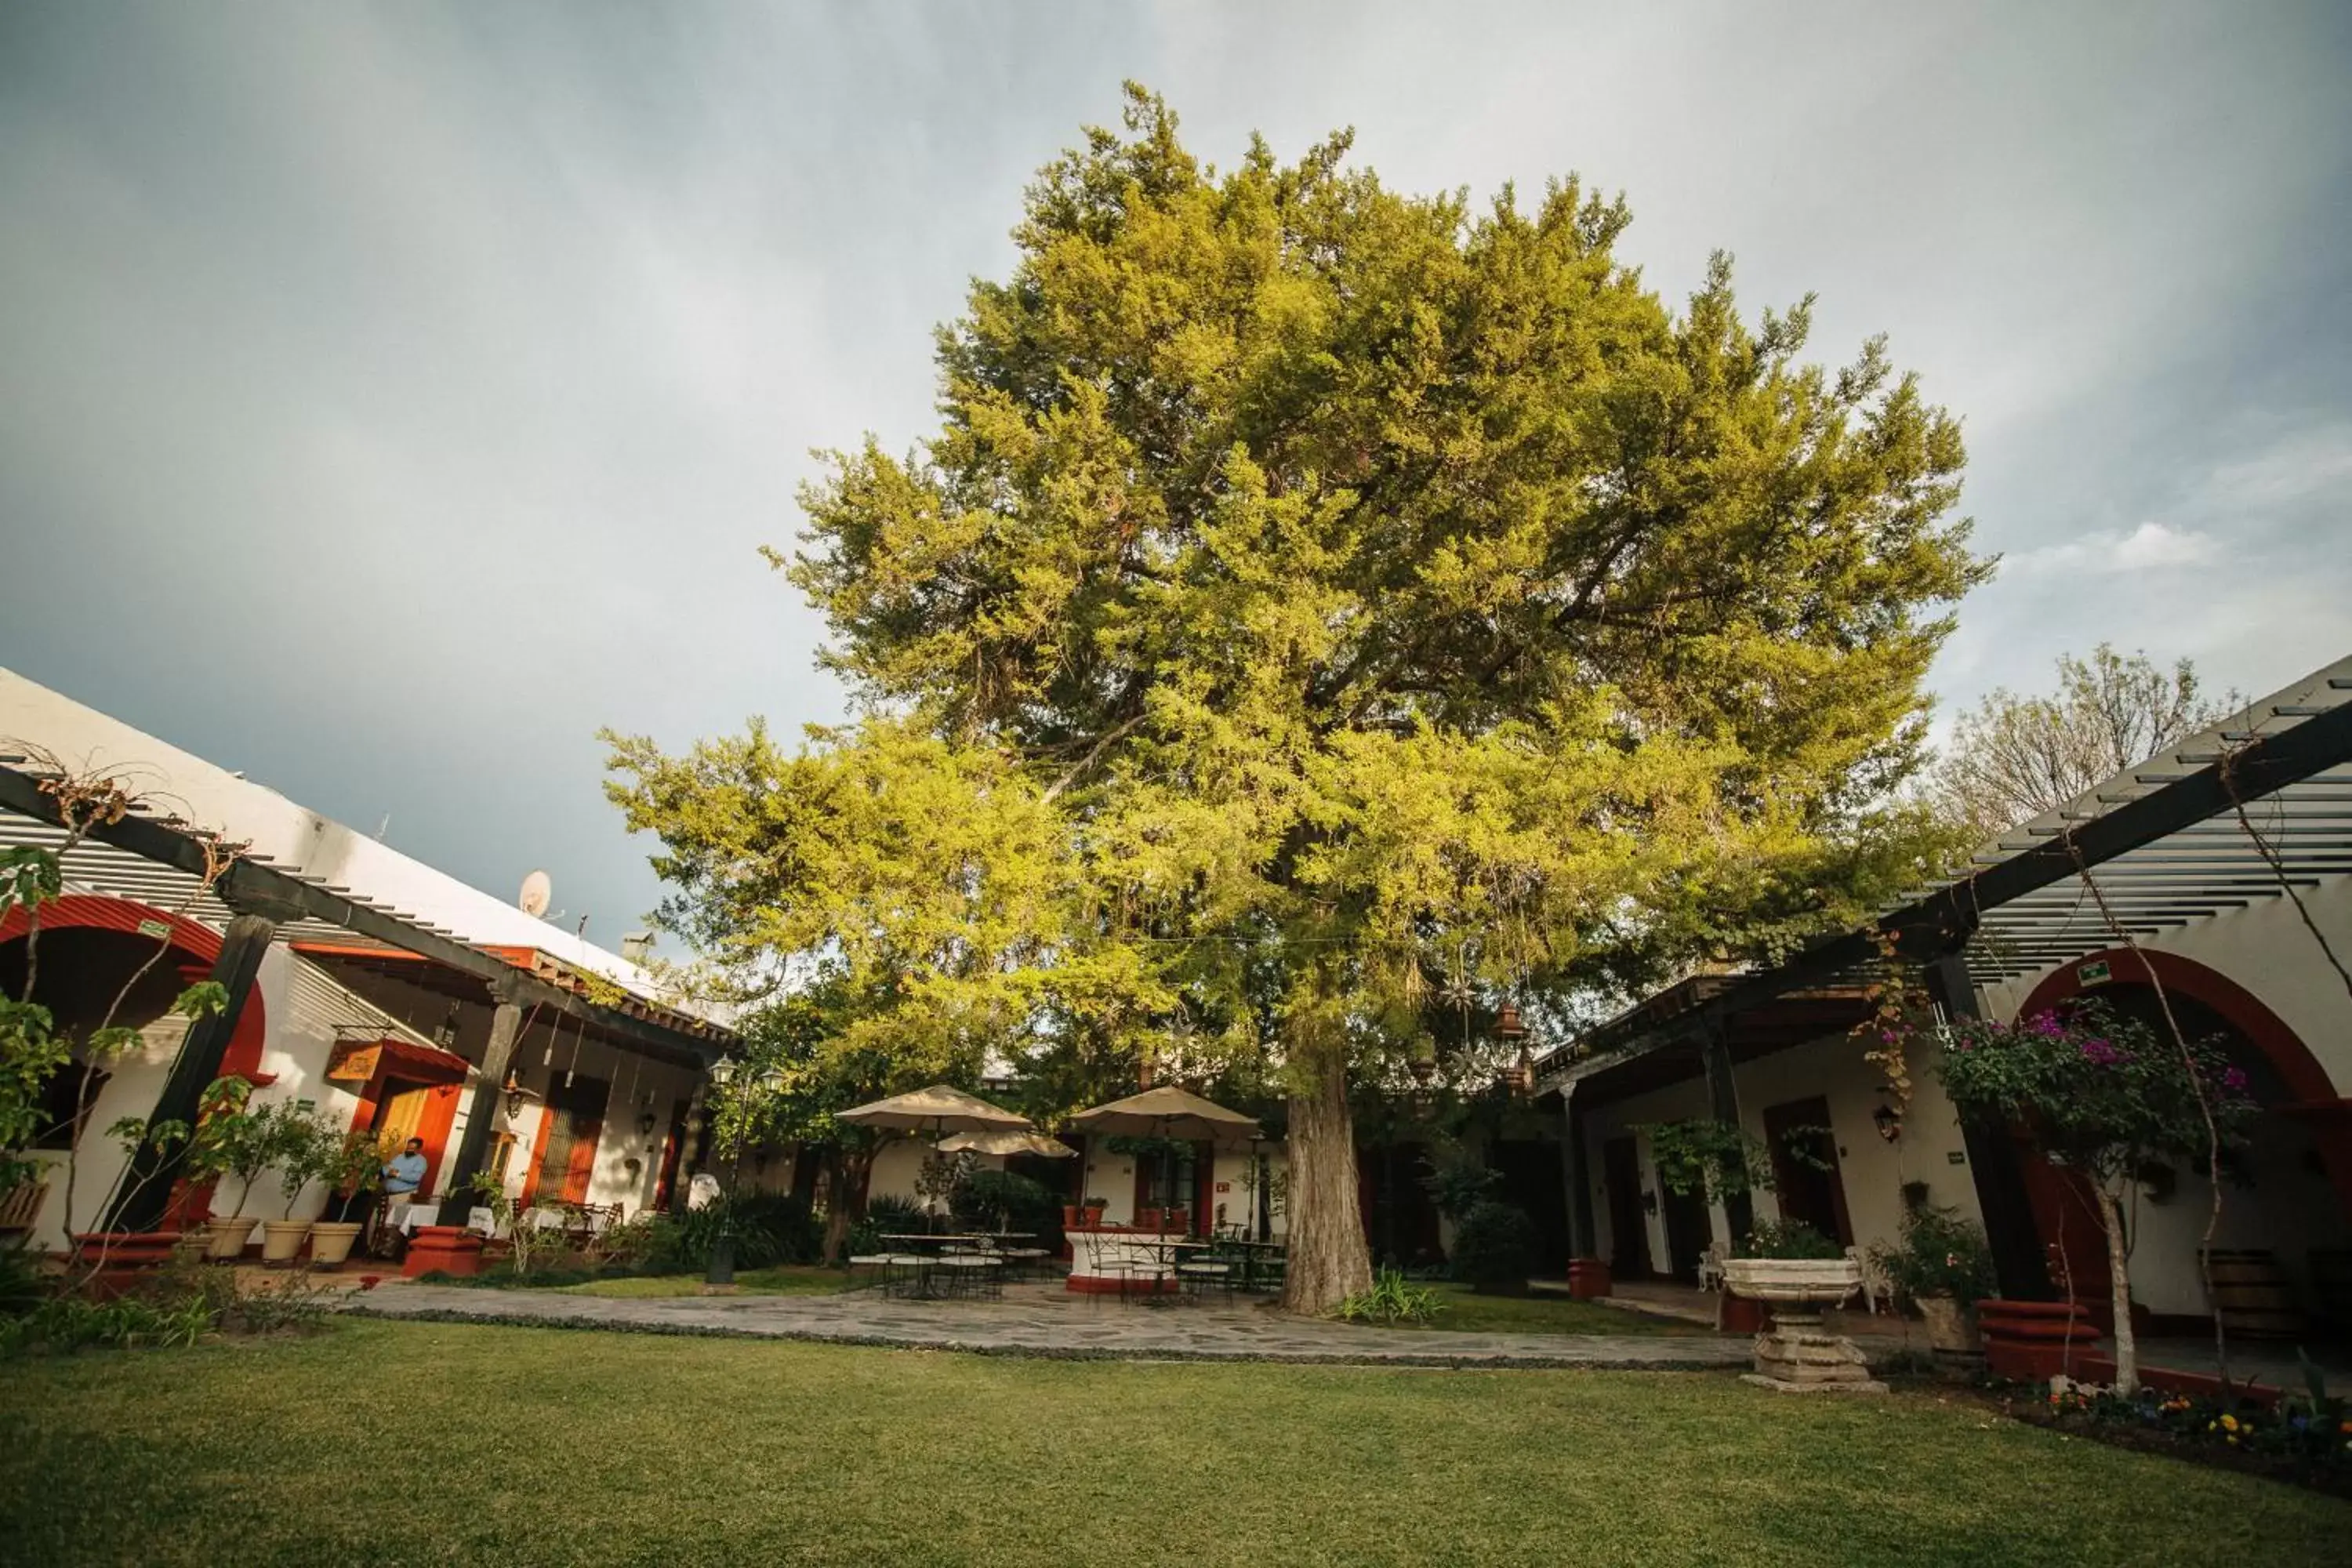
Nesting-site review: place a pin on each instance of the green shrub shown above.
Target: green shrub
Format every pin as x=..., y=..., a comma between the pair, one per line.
x=770, y=1228
x=1393, y=1298
x=886, y=1216
x=1493, y=1247
x=1940, y=1254
x=1003, y=1200
x=1787, y=1239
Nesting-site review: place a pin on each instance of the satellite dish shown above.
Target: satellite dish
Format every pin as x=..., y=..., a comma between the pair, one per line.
x=535, y=890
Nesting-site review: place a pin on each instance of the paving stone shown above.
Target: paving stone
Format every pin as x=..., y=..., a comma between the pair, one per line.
x=1049, y=1325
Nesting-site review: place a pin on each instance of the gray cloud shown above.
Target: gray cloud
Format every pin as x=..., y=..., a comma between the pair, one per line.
x=391, y=395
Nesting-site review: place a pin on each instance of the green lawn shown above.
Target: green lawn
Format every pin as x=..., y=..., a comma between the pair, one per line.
x=785, y=1279
x=1466, y=1311
x=406, y=1444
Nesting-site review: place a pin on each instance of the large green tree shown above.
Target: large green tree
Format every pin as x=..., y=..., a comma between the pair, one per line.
x=1372, y=594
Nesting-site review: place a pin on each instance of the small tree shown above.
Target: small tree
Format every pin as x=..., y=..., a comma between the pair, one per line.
x=231, y=1138
x=2099, y=1094
x=2012, y=757
x=307, y=1148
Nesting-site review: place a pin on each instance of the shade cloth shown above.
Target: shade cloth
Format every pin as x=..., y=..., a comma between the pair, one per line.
x=939, y=1109
x=1169, y=1112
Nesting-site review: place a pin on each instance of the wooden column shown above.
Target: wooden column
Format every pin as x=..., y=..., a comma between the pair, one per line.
x=2018, y=1261
x=1588, y=1271
x=1582, y=1237
x=1722, y=1103
x=144, y=1189
x=482, y=1112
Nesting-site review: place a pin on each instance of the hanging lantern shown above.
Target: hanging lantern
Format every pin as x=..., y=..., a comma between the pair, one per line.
x=772, y=1082
x=1508, y=1027
x=1889, y=1122
x=722, y=1071
x=1424, y=1060
x=1520, y=1075
x=513, y=1090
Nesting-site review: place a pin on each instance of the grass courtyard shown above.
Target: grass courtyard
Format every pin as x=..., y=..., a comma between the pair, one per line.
x=400, y=1443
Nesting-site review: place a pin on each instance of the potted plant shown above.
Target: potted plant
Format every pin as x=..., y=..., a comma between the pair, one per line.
x=358, y=1173
x=305, y=1148
x=1094, y=1207
x=1943, y=1267
x=1799, y=1273
x=231, y=1138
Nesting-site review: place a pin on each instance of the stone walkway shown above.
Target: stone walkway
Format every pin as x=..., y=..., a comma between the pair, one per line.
x=1050, y=1323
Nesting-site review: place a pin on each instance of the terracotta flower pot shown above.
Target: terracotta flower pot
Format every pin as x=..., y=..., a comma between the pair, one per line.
x=1070, y=1212
x=330, y=1241
x=226, y=1238
x=281, y=1239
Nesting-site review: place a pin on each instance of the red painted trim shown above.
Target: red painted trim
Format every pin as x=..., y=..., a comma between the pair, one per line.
x=100, y=913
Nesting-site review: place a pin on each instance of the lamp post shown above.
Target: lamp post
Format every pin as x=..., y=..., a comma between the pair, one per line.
x=722, y=1270
x=724, y=1076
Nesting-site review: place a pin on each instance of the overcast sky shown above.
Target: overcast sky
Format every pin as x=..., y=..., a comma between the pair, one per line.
x=389, y=397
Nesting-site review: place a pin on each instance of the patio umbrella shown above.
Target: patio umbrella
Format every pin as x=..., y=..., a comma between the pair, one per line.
x=936, y=1109
x=1169, y=1112
x=1022, y=1142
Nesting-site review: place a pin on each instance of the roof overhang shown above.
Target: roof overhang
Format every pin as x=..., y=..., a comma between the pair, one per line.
x=2244, y=812
x=160, y=861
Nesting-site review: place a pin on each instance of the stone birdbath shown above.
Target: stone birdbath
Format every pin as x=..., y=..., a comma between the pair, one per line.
x=1795, y=1353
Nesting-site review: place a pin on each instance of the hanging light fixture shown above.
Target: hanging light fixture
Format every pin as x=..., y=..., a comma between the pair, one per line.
x=722, y=1071
x=1889, y=1122
x=1508, y=1027
x=1424, y=1060
x=513, y=1090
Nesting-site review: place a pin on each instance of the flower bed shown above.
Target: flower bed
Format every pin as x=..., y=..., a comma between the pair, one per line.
x=2306, y=1440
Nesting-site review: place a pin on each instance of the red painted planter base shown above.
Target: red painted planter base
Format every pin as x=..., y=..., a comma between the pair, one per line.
x=1587, y=1279
x=443, y=1250
x=2030, y=1342
x=130, y=1257
x=1089, y=1285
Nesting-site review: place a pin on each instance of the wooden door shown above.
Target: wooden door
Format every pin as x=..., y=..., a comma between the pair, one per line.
x=567, y=1134
x=401, y=1112
x=1690, y=1230
x=1629, y=1235
x=1805, y=1167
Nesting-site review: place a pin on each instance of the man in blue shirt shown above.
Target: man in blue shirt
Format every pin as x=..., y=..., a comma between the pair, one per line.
x=405, y=1173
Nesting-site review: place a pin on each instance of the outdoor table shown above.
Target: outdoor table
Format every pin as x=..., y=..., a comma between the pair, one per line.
x=1251, y=1251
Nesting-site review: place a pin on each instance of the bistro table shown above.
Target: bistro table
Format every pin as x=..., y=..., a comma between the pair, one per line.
x=921, y=1274
x=1109, y=1259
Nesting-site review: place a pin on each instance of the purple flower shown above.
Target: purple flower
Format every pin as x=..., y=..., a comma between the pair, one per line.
x=2233, y=1078
x=2047, y=1024
x=2101, y=1054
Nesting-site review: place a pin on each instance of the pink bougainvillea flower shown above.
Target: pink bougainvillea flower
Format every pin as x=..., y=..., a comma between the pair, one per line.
x=2233, y=1078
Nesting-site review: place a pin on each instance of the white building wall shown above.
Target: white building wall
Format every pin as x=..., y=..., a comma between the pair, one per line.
x=1872, y=1170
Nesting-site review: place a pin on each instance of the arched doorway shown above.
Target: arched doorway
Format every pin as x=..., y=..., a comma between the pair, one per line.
x=2286, y=1196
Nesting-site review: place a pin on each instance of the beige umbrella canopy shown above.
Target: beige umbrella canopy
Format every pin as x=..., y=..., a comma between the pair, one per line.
x=939, y=1109
x=1022, y=1142
x=1169, y=1112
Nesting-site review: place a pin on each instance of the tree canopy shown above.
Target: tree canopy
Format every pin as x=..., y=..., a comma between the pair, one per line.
x=1319, y=599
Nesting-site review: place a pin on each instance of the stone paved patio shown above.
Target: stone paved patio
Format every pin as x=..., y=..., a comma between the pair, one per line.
x=1045, y=1322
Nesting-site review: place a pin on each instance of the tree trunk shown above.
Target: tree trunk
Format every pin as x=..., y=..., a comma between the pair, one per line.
x=1328, y=1260
x=845, y=1175
x=2111, y=1211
